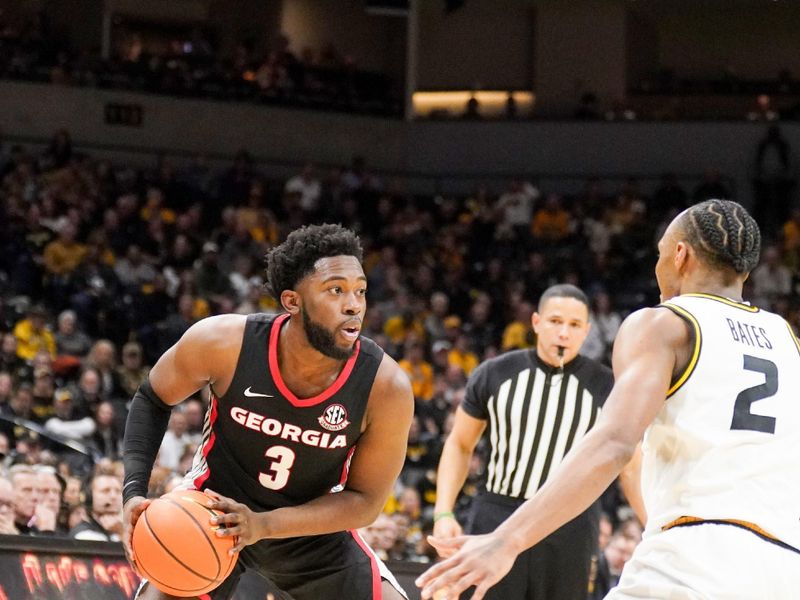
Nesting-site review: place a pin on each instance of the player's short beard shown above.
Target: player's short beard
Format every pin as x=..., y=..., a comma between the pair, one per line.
x=322, y=340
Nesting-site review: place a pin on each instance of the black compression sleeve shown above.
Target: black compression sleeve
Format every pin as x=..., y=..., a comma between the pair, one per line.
x=147, y=422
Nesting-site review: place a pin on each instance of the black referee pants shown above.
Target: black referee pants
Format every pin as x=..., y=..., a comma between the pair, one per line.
x=557, y=568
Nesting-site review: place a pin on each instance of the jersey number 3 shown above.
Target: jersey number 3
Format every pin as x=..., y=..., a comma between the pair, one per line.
x=280, y=468
x=742, y=417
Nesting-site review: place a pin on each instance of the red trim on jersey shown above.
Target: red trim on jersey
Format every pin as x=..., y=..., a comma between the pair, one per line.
x=276, y=372
x=346, y=466
x=201, y=479
x=377, y=590
x=204, y=597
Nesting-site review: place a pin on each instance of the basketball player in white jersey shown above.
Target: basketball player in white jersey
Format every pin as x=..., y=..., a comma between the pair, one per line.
x=712, y=387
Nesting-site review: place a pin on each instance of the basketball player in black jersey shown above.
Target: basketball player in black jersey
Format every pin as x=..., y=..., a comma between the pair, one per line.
x=305, y=433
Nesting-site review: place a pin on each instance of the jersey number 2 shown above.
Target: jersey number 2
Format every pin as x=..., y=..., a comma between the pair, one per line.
x=280, y=468
x=742, y=417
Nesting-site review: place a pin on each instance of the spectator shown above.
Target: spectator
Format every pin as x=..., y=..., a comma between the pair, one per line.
x=605, y=323
x=62, y=257
x=609, y=567
x=462, y=356
x=50, y=488
x=104, y=506
x=107, y=436
x=175, y=441
x=7, y=503
x=69, y=421
x=20, y=407
x=382, y=535
x=790, y=231
x=439, y=305
x=103, y=358
x=551, y=223
x=70, y=340
x=773, y=183
x=587, y=108
x=212, y=283
x=308, y=188
x=10, y=361
x=480, y=329
x=771, y=279
x=518, y=334
x=132, y=371
x=133, y=270
x=87, y=392
x=6, y=387
x=421, y=454
x=33, y=334
x=419, y=371
x=516, y=208
x=31, y=515
x=194, y=413
x=43, y=391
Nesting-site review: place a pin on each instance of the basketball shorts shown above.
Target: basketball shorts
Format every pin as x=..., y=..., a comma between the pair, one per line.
x=709, y=562
x=324, y=567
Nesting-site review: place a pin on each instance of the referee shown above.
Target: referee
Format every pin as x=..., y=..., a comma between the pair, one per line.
x=533, y=405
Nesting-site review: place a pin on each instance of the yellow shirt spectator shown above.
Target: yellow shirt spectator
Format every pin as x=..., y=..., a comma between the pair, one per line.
x=421, y=375
x=465, y=359
x=517, y=335
x=63, y=258
x=32, y=337
x=398, y=327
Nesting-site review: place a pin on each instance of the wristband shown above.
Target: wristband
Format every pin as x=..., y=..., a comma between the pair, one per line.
x=443, y=515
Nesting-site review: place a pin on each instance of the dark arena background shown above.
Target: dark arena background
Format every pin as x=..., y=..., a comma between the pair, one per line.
x=152, y=152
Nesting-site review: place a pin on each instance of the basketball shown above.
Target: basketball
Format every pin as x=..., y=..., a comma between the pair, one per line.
x=175, y=546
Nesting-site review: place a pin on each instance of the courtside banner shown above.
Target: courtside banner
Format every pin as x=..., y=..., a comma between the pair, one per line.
x=58, y=568
x=43, y=568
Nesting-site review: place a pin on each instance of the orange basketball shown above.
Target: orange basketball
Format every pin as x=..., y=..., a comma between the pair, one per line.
x=175, y=546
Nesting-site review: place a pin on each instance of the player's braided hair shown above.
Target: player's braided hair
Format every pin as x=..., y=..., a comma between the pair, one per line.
x=724, y=234
x=295, y=258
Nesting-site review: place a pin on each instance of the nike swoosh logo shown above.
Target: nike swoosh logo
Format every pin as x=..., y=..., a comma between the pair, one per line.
x=250, y=394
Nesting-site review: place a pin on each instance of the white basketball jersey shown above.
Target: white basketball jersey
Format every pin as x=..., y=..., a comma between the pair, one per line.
x=726, y=444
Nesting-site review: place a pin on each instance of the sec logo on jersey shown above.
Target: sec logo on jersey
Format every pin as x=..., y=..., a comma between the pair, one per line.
x=334, y=418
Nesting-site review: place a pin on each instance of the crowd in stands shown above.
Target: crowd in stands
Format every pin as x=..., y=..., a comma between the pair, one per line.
x=191, y=66
x=103, y=266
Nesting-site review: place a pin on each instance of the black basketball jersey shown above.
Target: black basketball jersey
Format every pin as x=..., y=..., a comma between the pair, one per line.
x=267, y=448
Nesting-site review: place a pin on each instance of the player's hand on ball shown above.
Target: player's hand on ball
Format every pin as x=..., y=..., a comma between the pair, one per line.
x=238, y=521
x=131, y=512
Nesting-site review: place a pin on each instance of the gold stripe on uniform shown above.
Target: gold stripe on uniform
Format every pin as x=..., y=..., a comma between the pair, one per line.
x=682, y=312
x=751, y=527
x=697, y=520
x=728, y=301
x=794, y=337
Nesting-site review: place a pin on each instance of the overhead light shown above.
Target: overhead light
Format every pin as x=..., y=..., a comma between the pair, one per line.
x=453, y=103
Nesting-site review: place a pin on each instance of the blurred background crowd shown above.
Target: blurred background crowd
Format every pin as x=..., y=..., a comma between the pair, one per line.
x=106, y=259
x=103, y=266
x=192, y=66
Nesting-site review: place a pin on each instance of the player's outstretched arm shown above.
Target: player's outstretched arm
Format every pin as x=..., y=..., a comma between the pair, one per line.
x=375, y=466
x=205, y=354
x=644, y=361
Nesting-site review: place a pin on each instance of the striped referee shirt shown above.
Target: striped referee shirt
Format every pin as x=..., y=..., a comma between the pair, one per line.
x=535, y=414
